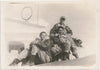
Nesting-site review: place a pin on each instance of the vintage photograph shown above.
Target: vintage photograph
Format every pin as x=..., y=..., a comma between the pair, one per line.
x=38, y=33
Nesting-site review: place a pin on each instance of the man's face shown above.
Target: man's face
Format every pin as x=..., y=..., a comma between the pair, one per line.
x=43, y=36
x=37, y=40
x=61, y=30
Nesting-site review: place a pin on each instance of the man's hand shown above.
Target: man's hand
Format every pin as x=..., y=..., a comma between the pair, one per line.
x=56, y=34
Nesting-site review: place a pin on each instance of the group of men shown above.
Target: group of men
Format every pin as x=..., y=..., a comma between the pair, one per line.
x=57, y=46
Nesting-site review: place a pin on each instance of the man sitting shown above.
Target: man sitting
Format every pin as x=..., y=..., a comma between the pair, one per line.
x=21, y=57
x=66, y=43
x=41, y=50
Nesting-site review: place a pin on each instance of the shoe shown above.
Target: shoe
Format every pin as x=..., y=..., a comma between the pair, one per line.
x=31, y=61
x=15, y=62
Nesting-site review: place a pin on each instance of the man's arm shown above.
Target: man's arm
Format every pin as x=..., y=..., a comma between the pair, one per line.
x=69, y=31
x=44, y=45
x=53, y=31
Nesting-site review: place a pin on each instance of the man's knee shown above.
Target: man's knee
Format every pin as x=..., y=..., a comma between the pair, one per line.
x=66, y=47
x=76, y=55
x=73, y=49
x=34, y=50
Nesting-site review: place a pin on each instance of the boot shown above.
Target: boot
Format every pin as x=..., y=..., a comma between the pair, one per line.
x=65, y=56
x=15, y=62
x=25, y=61
x=31, y=61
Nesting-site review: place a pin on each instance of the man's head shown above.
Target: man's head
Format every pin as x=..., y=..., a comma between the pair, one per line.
x=43, y=35
x=60, y=29
x=62, y=19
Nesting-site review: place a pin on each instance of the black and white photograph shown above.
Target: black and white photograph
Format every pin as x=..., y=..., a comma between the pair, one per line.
x=55, y=33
